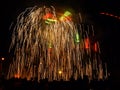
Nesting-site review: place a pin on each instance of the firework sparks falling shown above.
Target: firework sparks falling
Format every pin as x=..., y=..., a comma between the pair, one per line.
x=49, y=46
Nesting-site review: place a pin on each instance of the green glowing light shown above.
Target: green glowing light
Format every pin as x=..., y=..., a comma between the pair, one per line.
x=67, y=13
x=77, y=37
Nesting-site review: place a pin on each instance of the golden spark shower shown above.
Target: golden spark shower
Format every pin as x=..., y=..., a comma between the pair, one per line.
x=49, y=44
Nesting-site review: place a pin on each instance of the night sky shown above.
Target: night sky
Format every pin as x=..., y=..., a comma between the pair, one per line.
x=107, y=33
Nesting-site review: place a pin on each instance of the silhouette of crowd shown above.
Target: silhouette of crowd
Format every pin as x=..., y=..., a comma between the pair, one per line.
x=80, y=84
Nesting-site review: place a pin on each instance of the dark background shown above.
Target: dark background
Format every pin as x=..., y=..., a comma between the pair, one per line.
x=107, y=33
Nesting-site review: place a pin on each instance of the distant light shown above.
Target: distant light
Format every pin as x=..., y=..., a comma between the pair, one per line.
x=3, y=58
x=60, y=72
x=109, y=14
x=102, y=13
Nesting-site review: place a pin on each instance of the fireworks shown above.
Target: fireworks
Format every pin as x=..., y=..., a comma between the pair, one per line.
x=49, y=45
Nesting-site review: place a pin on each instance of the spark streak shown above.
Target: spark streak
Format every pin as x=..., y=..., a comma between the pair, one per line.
x=58, y=49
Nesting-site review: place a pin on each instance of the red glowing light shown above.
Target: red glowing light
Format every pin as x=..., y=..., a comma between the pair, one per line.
x=17, y=76
x=87, y=43
x=48, y=15
x=95, y=47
